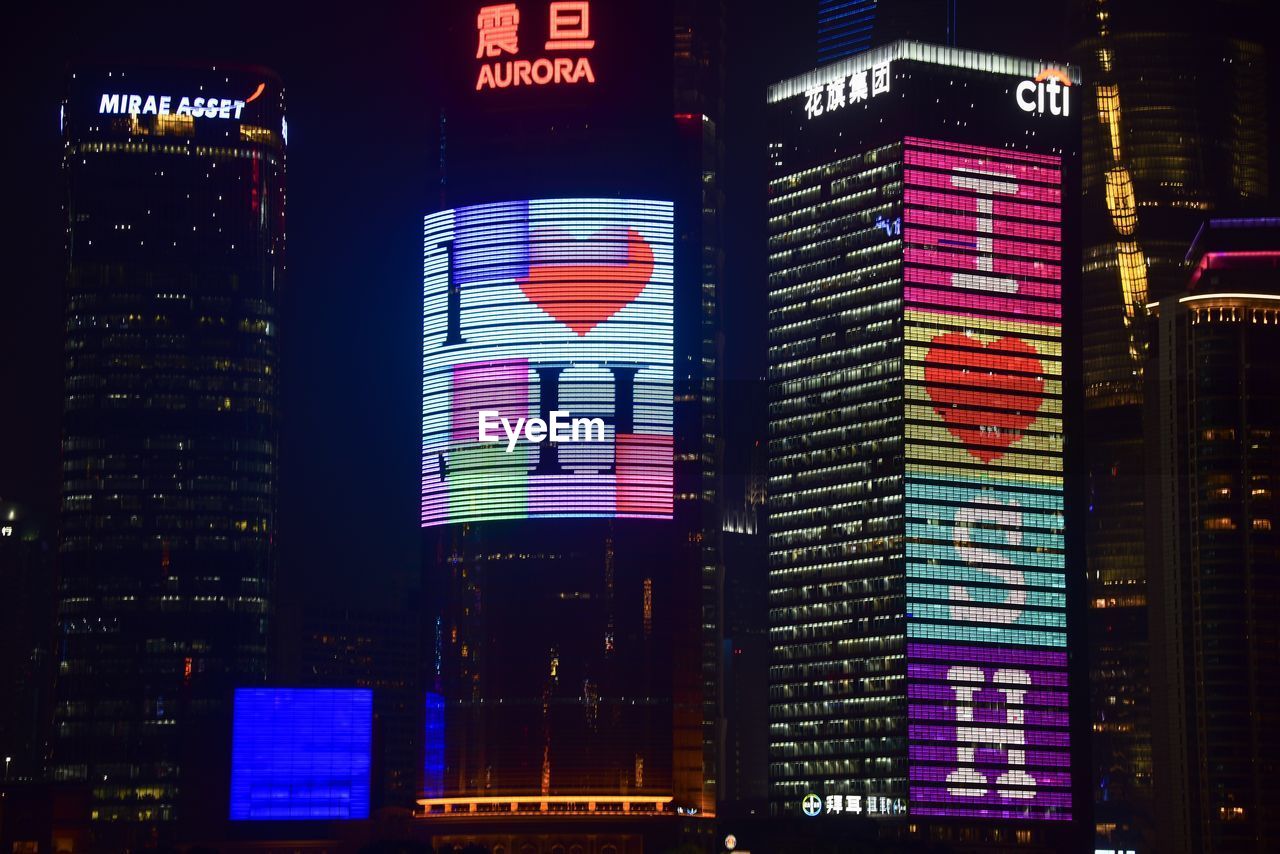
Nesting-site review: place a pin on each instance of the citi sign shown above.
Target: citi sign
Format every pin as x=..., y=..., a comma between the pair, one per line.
x=1049, y=92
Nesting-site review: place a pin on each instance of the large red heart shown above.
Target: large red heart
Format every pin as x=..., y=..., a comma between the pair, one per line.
x=582, y=296
x=990, y=376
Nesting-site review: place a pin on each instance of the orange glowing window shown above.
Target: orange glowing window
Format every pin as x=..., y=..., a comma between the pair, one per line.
x=499, y=30
x=570, y=26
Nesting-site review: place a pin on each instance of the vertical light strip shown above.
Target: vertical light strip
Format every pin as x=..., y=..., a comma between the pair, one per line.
x=986, y=600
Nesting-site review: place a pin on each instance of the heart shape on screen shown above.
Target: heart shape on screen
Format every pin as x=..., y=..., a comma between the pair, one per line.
x=990, y=376
x=584, y=295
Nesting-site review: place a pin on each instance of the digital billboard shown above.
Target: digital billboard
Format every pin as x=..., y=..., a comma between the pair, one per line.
x=301, y=754
x=532, y=308
x=986, y=599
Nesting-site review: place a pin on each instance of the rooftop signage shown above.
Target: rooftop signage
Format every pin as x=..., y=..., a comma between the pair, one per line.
x=568, y=32
x=926, y=54
x=164, y=105
x=1049, y=91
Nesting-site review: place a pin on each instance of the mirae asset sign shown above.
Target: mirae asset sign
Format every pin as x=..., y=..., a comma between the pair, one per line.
x=164, y=105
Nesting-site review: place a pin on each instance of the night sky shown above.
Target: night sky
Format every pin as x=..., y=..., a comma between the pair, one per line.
x=360, y=174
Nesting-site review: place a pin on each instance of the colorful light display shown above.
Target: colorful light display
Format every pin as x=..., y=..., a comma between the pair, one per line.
x=534, y=306
x=986, y=602
x=301, y=754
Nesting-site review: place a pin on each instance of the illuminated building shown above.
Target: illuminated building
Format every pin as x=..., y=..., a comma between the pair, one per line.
x=175, y=236
x=920, y=284
x=848, y=27
x=1213, y=447
x=572, y=264
x=1175, y=129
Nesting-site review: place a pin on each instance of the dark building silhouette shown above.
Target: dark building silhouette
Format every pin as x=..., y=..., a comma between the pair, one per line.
x=1175, y=128
x=923, y=556
x=27, y=599
x=1213, y=557
x=746, y=646
x=573, y=261
x=376, y=649
x=175, y=239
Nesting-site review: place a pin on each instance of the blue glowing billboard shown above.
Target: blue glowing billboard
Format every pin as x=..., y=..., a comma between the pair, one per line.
x=301, y=754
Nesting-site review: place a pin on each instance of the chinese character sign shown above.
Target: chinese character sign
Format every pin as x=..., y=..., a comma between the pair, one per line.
x=543, y=306
x=986, y=599
x=567, y=30
x=846, y=90
x=499, y=30
x=871, y=805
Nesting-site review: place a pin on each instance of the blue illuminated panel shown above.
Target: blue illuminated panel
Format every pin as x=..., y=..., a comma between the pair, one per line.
x=301, y=754
x=845, y=28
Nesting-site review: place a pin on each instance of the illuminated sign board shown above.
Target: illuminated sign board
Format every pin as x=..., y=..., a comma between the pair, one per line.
x=986, y=601
x=164, y=105
x=1049, y=92
x=871, y=806
x=846, y=90
x=568, y=31
x=301, y=754
x=540, y=307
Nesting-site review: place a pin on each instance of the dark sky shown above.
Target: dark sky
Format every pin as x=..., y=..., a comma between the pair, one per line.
x=360, y=171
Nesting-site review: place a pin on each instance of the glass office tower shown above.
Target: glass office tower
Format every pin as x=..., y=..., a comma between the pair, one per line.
x=1175, y=128
x=175, y=230
x=921, y=568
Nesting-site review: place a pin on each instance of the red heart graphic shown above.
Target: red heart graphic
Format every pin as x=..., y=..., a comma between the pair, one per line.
x=582, y=296
x=990, y=378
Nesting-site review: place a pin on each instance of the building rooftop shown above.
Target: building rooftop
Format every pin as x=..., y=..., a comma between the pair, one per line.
x=953, y=57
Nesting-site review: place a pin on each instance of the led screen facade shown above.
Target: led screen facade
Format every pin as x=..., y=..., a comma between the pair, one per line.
x=301, y=754
x=532, y=307
x=985, y=560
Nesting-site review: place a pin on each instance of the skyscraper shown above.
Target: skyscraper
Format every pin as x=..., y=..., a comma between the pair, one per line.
x=573, y=264
x=1175, y=128
x=921, y=515
x=375, y=649
x=175, y=231
x=848, y=27
x=1213, y=449
x=745, y=778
